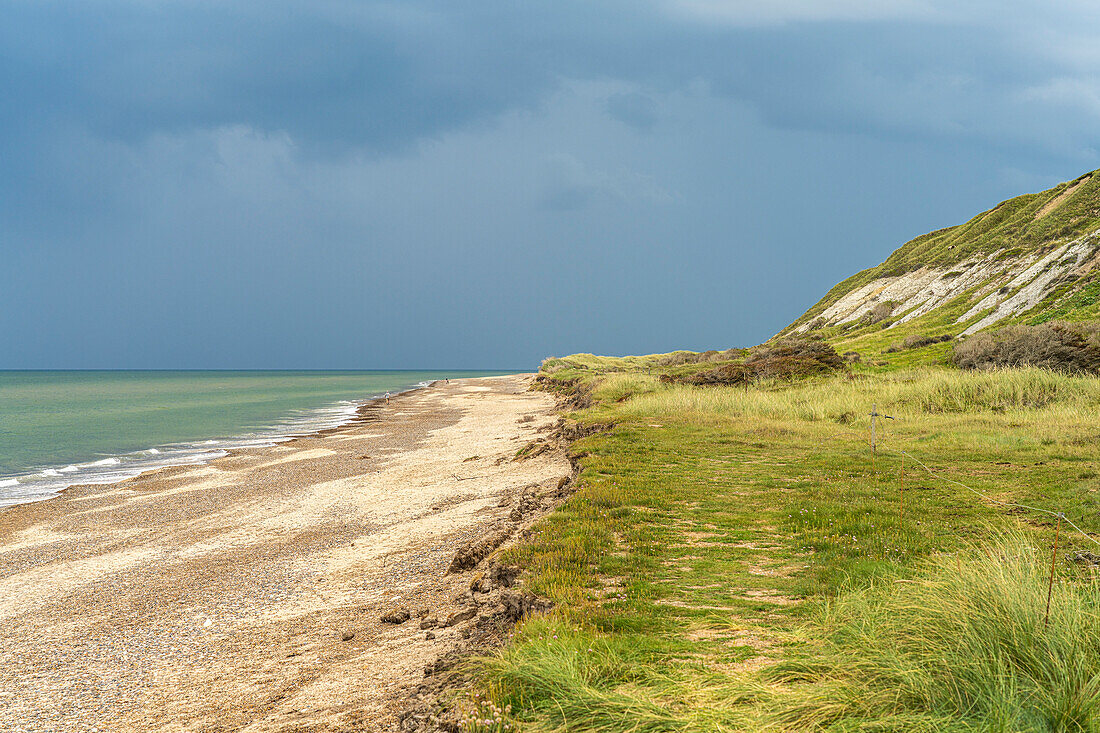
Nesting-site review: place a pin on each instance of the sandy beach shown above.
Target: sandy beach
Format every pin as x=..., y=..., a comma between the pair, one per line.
x=246, y=594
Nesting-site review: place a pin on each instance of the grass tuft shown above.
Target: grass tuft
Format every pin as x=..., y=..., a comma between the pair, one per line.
x=963, y=645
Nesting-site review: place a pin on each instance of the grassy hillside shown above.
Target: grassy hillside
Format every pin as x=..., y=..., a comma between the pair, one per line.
x=736, y=558
x=954, y=269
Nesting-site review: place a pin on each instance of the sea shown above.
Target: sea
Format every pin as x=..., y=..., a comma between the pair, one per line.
x=61, y=428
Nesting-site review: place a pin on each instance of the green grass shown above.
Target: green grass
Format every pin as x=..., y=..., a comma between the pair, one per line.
x=1013, y=227
x=1079, y=305
x=729, y=550
x=965, y=646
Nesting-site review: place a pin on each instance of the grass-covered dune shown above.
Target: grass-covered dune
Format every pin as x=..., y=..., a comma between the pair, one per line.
x=1028, y=260
x=736, y=558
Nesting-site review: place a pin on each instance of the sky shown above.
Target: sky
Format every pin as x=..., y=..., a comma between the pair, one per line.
x=431, y=184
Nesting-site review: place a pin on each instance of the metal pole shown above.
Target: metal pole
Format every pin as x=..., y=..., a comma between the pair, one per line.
x=1053, y=559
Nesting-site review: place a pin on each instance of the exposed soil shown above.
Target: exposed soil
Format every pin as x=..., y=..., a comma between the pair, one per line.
x=1055, y=202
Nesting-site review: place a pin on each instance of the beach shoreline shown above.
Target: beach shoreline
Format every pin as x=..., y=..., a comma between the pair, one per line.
x=188, y=453
x=246, y=594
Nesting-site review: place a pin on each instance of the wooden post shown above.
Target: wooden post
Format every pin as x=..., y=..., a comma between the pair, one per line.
x=1053, y=560
x=875, y=414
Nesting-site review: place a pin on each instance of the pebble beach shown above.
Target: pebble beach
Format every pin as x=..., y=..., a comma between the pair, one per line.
x=246, y=594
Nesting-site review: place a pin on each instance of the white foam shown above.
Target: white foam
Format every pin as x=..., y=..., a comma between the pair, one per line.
x=48, y=482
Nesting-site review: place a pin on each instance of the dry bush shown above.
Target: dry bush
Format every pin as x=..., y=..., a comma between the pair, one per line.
x=879, y=313
x=916, y=341
x=1060, y=346
x=793, y=357
x=726, y=374
x=782, y=359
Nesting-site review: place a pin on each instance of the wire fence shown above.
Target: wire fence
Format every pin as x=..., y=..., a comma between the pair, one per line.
x=1058, y=515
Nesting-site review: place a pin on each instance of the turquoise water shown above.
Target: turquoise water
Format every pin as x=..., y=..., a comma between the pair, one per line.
x=58, y=428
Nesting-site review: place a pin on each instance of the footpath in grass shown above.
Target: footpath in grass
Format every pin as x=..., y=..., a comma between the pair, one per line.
x=737, y=559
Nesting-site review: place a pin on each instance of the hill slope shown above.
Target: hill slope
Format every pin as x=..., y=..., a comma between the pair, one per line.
x=1027, y=260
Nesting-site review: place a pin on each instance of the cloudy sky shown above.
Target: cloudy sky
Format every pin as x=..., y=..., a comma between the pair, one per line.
x=429, y=183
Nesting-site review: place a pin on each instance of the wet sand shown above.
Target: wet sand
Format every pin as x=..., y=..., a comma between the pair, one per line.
x=245, y=594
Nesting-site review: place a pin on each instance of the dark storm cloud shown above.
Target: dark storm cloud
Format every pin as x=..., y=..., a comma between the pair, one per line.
x=331, y=75
x=429, y=183
x=386, y=74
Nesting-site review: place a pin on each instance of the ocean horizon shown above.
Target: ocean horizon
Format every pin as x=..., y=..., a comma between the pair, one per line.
x=60, y=428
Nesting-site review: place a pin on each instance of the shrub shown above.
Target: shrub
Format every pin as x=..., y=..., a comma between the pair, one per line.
x=879, y=313
x=916, y=341
x=727, y=374
x=787, y=358
x=781, y=359
x=1067, y=347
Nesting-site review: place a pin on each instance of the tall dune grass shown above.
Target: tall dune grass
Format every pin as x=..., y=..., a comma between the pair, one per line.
x=578, y=681
x=961, y=647
x=929, y=391
x=620, y=386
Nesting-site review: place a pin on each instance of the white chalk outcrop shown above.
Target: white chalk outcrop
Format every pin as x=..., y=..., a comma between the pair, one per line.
x=1007, y=285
